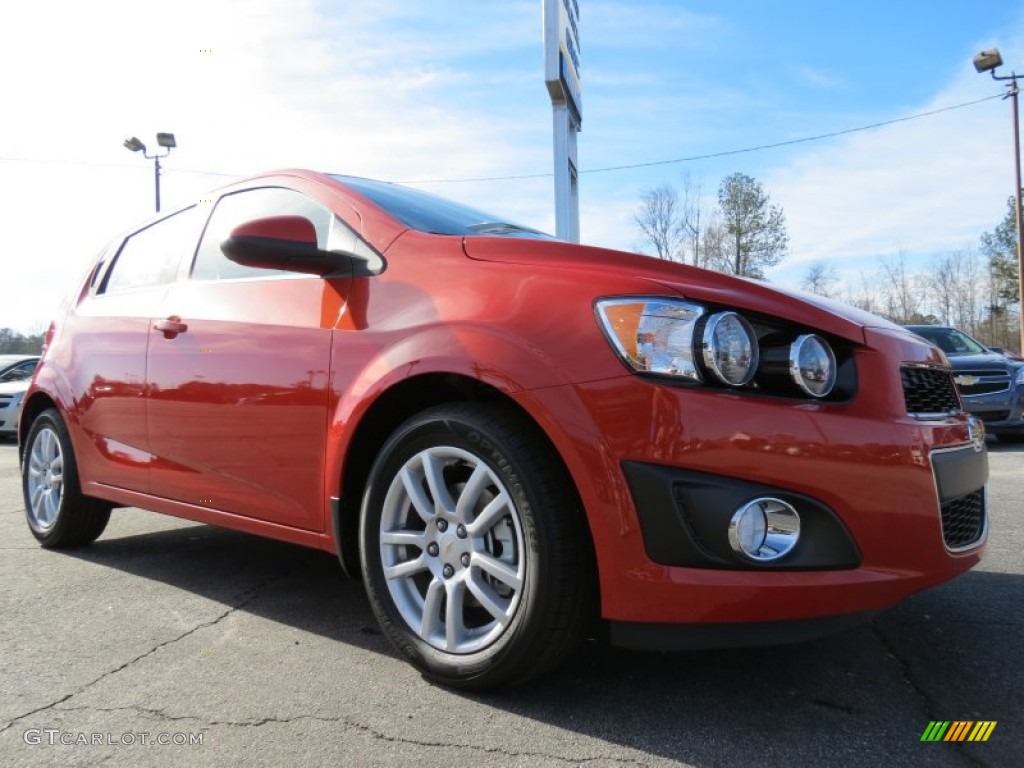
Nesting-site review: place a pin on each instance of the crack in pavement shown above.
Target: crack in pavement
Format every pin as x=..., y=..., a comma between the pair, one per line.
x=929, y=706
x=241, y=600
x=356, y=726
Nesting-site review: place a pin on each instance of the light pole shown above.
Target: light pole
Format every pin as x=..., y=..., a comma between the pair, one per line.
x=165, y=140
x=989, y=61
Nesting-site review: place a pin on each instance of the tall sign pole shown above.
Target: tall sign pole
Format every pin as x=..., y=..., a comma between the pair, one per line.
x=562, y=77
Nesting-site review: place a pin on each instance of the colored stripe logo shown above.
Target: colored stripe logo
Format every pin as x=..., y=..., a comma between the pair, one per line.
x=958, y=730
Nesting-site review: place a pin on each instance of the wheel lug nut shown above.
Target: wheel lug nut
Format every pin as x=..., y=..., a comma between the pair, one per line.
x=448, y=571
x=432, y=549
x=465, y=559
x=461, y=531
x=442, y=525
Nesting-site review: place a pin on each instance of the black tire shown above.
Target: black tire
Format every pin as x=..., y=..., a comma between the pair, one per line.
x=522, y=549
x=58, y=514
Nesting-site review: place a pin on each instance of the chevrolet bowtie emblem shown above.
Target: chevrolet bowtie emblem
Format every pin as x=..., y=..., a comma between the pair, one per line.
x=966, y=381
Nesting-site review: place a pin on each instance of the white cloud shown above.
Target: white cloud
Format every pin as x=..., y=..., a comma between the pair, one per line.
x=403, y=90
x=246, y=87
x=926, y=185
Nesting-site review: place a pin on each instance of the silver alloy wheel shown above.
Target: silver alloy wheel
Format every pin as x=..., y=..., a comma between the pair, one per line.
x=45, y=479
x=451, y=547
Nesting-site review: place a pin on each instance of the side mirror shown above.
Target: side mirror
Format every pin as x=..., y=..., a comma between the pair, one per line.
x=284, y=242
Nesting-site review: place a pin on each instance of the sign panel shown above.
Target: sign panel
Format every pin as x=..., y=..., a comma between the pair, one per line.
x=562, y=77
x=562, y=54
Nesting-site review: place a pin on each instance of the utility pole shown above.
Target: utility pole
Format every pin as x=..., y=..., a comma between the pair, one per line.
x=989, y=61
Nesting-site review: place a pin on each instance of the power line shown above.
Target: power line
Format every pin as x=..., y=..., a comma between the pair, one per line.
x=607, y=169
x=127, y=166
x=725, y=153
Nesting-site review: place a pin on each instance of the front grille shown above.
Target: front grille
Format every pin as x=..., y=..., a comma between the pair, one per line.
x=993, y=416
x=1002, y=372
x=929, y=391
x=983, y=388
x=982, y=382
x=963, y=520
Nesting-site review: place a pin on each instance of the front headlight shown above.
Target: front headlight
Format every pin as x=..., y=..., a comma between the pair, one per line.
x=812, y=365
x=730, y=349
x=1020, y=375
x=653, y=335
x=721, y=348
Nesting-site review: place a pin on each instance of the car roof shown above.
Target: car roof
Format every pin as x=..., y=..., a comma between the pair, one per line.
x=6, y=360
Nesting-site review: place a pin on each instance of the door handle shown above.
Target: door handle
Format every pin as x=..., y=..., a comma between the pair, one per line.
x=170, y=327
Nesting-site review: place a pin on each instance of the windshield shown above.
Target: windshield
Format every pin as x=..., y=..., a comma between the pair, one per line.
x=952, y=341
x=430, y=213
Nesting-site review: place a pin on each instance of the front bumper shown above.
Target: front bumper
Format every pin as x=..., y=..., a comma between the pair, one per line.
x=685, y=516
x=1001, y=411
x=10, y=407
x=878, y=478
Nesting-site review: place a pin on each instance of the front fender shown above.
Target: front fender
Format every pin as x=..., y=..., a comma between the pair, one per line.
x=499, y=360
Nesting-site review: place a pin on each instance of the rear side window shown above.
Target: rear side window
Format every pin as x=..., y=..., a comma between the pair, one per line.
x=152, y=255
x=240, y=207
x=19, y=372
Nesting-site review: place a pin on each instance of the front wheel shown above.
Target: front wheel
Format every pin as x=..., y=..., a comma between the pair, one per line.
x=58, y=514
x=475, y=552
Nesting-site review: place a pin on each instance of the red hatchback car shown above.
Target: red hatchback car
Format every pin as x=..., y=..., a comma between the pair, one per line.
x=509, y=437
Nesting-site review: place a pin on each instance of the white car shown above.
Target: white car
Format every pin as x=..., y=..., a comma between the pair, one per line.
x=15, y=376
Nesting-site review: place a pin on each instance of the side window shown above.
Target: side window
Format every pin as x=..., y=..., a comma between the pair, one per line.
x=100, y=268
x=20, y=372
x=152, y=255
x=237, y=208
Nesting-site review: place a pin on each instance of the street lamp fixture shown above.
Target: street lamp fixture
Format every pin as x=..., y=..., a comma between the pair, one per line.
x=988, y=61
x=165, y=140
x=134, y=144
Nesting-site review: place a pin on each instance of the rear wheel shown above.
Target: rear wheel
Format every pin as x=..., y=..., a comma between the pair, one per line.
x=58, y=514
x=475, y=552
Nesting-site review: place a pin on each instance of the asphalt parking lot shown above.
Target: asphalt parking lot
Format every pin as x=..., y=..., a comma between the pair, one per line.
x=169, y=631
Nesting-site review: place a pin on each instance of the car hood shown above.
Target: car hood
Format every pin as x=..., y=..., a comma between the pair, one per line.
x=14, y=387
x=691, y=282
x=985, y=362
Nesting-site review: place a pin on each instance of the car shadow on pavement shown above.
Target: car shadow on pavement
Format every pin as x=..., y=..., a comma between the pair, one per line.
x=862, y=697
x=1003, y=446
x=859, y=698
x=292, y=585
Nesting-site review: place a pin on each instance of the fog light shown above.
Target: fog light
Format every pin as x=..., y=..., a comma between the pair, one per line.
x=764, y=530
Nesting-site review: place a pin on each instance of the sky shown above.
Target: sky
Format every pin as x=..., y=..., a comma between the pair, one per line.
x=432, y=94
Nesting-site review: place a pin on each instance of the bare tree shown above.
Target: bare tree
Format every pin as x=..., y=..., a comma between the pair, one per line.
x=904, y=293
x=756, y=229
x=820, y=278
x=955, y=283
x=660, y=222
x=693, y=220
x=864, y=295
x=969, y=310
